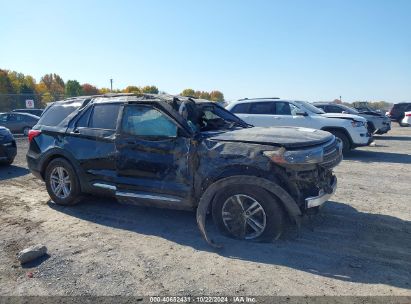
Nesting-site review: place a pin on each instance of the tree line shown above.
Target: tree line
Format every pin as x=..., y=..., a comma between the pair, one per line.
x=17, y=87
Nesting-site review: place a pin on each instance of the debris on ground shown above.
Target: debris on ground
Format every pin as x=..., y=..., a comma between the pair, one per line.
x=31, y=253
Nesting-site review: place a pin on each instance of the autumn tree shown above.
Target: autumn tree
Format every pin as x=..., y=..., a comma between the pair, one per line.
x=89, y=89
x=216, y=96
x=188, y=92
x=149, y=90
x=132, y=89
x=54, y=85
x=73, y=88
x=104, y=91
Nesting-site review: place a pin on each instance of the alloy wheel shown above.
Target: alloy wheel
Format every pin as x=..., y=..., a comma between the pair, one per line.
x=60, y=182
x=244, y=217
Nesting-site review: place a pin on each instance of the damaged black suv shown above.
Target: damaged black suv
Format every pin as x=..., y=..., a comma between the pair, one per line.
x=182, y=153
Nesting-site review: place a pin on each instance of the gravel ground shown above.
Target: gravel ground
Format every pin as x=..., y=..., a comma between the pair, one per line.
x=359, y=245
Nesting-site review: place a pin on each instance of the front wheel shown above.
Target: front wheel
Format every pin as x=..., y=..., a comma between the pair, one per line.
x=248, y=213
x=62, y=182
x=344, y=139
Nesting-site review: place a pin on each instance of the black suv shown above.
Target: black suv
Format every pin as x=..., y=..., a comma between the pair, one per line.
x=8, y=148
x=397, y=111
x=181, y=153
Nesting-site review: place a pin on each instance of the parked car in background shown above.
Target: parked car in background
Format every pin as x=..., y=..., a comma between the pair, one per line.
x=36, y=112
x=8, y=148
x=376, y=122
x=177, y=152
x=270, y=112
x=406, y=121
x=18, y=122
x=398, y=110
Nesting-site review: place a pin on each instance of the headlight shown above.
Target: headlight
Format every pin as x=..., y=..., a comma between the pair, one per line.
x=356, y=124
x=308, y=156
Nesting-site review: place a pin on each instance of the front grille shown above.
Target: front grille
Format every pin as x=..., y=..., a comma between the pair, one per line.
x=332, y=154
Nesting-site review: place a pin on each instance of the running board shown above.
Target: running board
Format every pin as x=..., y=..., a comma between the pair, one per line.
x=149, y=196
x=138, y=195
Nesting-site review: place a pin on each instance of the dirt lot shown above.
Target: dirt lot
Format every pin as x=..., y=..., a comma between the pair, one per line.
x=360, y=245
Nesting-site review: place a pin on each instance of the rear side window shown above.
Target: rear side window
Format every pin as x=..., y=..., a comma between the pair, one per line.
x=242, y=108
x=104, y=116
x=282, y=108
x=262, y=108
x=57, y=113
x=334, y=109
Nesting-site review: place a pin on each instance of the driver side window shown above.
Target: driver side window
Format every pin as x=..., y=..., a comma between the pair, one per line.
x=146, y=121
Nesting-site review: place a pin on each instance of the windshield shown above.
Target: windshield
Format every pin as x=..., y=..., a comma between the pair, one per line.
x=349, y=109
x=309, y=107
x=214, y=117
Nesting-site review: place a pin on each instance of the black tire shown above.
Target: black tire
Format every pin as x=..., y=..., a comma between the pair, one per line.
x=345, y=141
x=371, y=127
x=274, y=214
x=74, y=193
x=7, y=162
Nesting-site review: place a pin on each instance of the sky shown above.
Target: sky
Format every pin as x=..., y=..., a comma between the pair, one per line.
x=297, y=49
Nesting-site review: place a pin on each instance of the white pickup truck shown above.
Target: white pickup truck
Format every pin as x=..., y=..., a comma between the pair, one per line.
x=270, y=112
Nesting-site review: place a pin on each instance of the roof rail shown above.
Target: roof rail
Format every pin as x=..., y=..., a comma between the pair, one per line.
x=260, y=98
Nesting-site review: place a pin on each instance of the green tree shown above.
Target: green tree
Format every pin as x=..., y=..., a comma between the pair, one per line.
x=149, y=90
x=73, y=88
x=6, y=87
x=188, y=92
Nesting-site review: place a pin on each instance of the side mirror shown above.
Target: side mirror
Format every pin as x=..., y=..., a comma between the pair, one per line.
x=301, y=113
x=344, y=112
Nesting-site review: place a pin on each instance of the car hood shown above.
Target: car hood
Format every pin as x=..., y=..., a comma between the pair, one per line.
x=344, y=116
x=288, y=137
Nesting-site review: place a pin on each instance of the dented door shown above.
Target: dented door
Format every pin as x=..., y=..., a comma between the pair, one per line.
x=152, y=161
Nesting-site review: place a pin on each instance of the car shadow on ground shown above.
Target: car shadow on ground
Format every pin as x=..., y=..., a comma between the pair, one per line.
x=341, y=243
x=377, y=156
x=387, y=137
x=8, y=172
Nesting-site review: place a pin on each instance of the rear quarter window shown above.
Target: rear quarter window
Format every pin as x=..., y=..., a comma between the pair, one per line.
x=55, y=114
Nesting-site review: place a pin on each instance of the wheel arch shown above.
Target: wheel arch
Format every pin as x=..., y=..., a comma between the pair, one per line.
x=289, y=204
x=55, y=153
x=340, y=129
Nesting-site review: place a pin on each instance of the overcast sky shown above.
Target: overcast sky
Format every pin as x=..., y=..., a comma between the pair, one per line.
x=309, y=50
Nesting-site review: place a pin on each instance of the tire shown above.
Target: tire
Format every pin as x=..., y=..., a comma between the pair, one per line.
x=371, y=127
x=345, y=141
x=26, y=131
x=7, y=162
x=271, y=217
x=55, y=169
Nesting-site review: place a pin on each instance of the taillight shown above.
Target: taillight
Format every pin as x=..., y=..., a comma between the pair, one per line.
x=408, y=114
x=33, y=133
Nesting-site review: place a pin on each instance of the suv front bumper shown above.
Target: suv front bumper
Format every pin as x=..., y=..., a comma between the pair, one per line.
x=322, y=197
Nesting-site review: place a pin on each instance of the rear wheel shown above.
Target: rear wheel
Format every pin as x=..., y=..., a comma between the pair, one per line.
x=345, y=141
x=248, y=214
x=62, y=182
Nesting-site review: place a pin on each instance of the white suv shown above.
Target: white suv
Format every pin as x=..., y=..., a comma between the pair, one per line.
x=271, y=112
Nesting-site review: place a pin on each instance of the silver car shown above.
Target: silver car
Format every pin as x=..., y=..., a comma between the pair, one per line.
x=377, y=123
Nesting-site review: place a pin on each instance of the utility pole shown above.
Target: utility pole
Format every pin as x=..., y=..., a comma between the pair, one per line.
x=111, y=85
